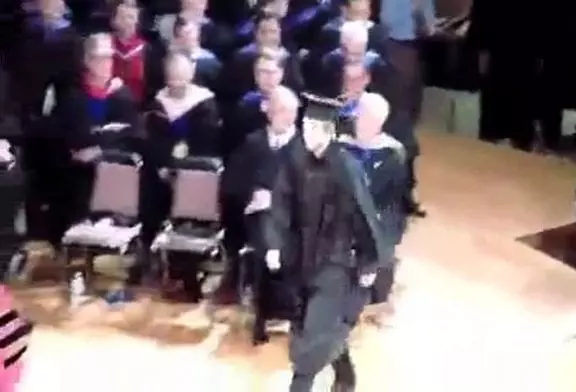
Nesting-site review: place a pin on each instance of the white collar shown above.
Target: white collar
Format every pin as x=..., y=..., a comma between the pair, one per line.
x=277, y=141
x=176, y=107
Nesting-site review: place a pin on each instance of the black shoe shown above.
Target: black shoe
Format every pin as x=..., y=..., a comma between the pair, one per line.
x=344, y=374
x=414, y=209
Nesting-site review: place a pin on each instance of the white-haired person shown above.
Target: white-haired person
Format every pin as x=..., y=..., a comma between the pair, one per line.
x=326, y=79
x=247, y=182
x=382, y=158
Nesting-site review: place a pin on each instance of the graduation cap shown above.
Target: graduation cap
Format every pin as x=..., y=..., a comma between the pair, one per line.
x=322, y=112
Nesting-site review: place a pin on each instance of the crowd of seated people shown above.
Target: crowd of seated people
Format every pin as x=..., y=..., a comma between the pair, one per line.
x=196, y=77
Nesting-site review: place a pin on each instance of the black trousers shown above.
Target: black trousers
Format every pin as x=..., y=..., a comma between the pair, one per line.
x=508, y=98
x=332, y=305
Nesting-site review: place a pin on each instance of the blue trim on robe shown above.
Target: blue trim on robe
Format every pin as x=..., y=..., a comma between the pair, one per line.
x=97, y=109
x=370, y=58
x=179, y=127
x=348, y=110
x=254, y=97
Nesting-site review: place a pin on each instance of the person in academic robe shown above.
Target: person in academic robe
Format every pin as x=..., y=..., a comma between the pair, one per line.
x=251, y=168
x=137, y=62
x=213, y=37
x=230, y=13
x=249, y=114
x=382, y=158
x=99, y=115
x=47, y=66
x=323, y=232
x=329, y=37
x=509, y=50
x=355, y=81
x=299, y=20
x=183, y=120
x=187, y=41
x=326, y=77
x=239, y=74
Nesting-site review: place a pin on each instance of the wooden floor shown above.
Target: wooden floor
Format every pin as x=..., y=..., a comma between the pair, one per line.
x=478, y=311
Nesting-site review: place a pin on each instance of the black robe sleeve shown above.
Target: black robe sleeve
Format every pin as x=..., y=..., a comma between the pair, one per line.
x=124, y=110
x=204, y=137
x=282, y=212
x=71, y=118
x=158, y=144
x=293, y=74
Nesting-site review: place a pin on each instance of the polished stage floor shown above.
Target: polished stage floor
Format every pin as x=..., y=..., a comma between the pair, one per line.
x=477, y=310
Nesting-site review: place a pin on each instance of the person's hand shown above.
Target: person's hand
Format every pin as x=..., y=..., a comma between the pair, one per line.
x=164, y=173
x=273, y=259
x=367, y=280
x=261, y=200
x=88, y=154
x=180, y=151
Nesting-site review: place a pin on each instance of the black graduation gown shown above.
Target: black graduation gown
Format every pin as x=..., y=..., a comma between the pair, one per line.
x=255, y=166
x=196, y=123
x=386, y=172
x=329, y=37
x=46, y=58
x=208, y=69
x=79, y=115
x=238, y=77
x=248, y=117
x=198, y=126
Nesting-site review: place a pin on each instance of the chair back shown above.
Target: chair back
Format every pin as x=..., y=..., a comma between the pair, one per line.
x=197, y=191
x=116, y=189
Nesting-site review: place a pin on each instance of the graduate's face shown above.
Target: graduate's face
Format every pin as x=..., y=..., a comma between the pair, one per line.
x=52, y=9
x=317, y=135
x=179, y=73
x=126, y=19
x=268, y=75
x=358, y=10
x=268, y=33
x=188, y=36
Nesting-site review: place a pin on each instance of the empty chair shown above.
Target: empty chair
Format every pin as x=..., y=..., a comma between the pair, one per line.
x=194, y=231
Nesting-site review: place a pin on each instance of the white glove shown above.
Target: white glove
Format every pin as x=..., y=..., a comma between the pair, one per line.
x=367, y=280
x=114, y=127
x=87, y=154
x=164, y=173
x=273, y=259
x=261, y=200
x=180, y=151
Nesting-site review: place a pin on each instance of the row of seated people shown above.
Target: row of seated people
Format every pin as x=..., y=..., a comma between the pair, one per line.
x=211, y=116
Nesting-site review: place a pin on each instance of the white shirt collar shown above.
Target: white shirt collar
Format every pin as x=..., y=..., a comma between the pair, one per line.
x=277, y=141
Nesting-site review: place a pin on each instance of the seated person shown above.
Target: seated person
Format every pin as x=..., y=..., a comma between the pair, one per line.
x=213, y=37
x=239, y=75
x=136, y=61
x=182, y=121
x=250, y=171
x=100, y=115
x=352, y=10
x=299, y=20
x=249, y=114
x=326, y=79
x=187, y=41
x=184, y=115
